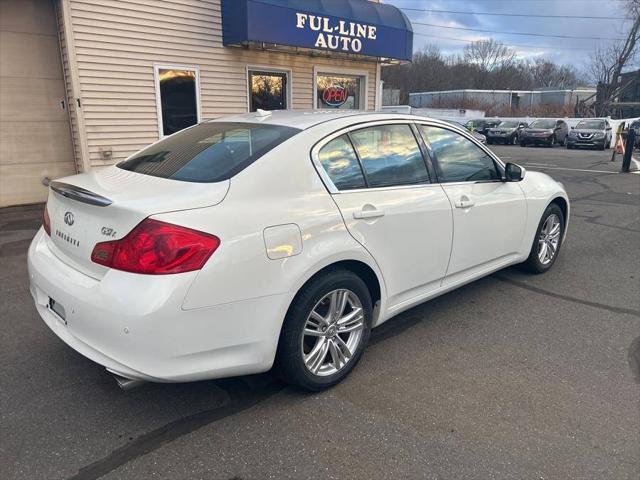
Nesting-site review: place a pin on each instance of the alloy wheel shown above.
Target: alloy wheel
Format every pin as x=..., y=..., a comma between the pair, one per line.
x=549, y=239
x=332, y=332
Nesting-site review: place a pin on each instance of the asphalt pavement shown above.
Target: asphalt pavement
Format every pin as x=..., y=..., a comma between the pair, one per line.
x=511, y=377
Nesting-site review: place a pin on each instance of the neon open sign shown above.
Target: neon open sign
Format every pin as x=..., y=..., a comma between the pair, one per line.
x=335, y=95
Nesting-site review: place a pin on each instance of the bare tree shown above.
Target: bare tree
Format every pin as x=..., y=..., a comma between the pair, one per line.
x=488, y=56
x=608, y=62
x=548, y=74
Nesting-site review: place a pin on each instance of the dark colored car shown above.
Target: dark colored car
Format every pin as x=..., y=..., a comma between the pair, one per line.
x=594, y=133
x=482, y=125
x=478, y=136
x=507, y=132
x=546, y=132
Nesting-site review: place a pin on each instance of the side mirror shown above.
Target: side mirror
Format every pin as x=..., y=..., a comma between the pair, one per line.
x=513, y=172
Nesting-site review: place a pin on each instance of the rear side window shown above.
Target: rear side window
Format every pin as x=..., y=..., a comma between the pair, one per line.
x=341, y=164
x=390, y=155
x=208, y=152
x=458, y=159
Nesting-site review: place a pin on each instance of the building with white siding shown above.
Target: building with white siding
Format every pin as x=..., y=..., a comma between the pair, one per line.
x=86, y=83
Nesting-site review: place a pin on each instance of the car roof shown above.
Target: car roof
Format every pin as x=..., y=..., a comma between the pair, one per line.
x=304, y=119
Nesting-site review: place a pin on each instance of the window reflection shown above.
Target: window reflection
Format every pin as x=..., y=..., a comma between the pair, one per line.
x=390, y=155
x=178, y=100
x=268, y=90
x=459, y=159
x=341, y=164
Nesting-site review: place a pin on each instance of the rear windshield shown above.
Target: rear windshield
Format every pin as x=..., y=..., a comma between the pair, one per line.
x=208, y=152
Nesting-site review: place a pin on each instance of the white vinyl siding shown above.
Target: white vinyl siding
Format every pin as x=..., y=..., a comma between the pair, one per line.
x=117, y=43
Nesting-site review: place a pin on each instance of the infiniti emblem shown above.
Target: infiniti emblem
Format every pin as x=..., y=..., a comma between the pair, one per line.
x=68, y=218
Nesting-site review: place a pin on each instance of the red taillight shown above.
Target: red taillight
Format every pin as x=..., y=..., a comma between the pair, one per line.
x=157, y=248
x=46, y=222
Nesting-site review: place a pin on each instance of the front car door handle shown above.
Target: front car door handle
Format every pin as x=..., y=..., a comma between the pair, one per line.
x=375, y=213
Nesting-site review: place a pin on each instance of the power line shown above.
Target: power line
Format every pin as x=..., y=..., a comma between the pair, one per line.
x=513, y=14
x=508, y=44
x=513, y=33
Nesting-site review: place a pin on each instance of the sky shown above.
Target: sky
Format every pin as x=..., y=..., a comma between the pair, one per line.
x=560, y=50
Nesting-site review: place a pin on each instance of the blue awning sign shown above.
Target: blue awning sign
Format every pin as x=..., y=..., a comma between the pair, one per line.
x=347, y=26
x=345, y=36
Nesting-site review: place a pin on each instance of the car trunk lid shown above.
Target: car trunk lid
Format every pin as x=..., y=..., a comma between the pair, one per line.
x=107, y=204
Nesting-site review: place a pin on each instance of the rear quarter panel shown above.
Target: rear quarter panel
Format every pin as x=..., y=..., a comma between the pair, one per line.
x=278, y=189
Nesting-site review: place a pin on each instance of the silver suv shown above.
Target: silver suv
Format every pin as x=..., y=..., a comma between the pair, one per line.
x=594, y=133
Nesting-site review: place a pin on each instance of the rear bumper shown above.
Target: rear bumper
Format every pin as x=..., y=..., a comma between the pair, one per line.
x=135, y=326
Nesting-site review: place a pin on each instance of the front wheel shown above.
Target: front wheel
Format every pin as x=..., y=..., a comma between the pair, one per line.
x=547, y=241
x=325, y=331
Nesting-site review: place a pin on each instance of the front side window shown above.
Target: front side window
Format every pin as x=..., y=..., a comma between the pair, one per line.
x=458, y=158
x=339, y=91
x=209, y=152
x=390, y=155
x=341, y=164
x=268, y=90
x=178, y=98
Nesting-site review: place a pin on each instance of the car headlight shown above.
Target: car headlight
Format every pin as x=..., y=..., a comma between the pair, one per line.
x=599, y=135
x=573, y=134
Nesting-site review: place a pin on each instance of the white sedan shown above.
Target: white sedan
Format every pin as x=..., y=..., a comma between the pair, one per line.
x=279, y=238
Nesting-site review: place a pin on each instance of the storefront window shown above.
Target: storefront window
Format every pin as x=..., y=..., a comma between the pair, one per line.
x=339, y=91
x=268, y=90
x=177, y=95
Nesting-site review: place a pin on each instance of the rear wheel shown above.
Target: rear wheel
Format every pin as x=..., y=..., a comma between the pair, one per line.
x=547, y=242
x=325, y=332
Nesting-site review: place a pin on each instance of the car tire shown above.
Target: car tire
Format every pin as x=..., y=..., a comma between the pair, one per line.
x=295, y=359
x=538, y=262
x=569, y=146
x=522, y=144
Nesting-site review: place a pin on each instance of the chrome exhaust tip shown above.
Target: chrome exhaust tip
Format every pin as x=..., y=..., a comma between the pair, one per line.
x=127, y=384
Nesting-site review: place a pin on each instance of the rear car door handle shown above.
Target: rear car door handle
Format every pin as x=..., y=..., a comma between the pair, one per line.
x=375, y=213
x=465, y=202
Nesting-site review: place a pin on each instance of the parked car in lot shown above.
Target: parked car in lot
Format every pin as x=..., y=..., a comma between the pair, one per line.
x=545, y=132
x=482, y=125
x=506, y=132
x=594, y=133
x=279, y=238
x=478, y=136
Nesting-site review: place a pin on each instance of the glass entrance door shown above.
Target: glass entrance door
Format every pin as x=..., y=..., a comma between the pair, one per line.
x=268, y=90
